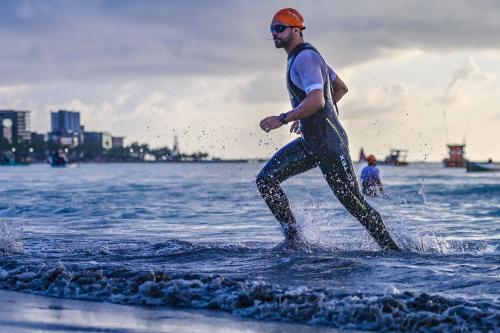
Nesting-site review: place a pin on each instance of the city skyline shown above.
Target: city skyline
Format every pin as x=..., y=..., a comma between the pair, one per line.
x=68, y=133
x=420, y=76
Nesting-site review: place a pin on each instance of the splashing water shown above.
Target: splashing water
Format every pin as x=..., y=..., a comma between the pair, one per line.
x=421, y=193
x=425, y=242
x=10, y=238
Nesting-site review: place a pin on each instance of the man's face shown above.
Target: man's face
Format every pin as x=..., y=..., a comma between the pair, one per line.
x=281, y=39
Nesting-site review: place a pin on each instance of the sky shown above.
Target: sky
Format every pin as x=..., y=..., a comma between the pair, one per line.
x=421, y=74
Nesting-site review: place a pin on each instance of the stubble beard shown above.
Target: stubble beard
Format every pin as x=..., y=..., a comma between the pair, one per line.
x=282, y=43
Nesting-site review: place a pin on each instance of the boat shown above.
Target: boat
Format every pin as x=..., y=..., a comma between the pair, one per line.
x=456, y=157
x=396, y=157
x=482, y=166
x=362, y=156
x=58, y=159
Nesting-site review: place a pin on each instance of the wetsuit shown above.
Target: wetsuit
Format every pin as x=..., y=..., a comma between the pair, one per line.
x=370, y=181
x=323, y=143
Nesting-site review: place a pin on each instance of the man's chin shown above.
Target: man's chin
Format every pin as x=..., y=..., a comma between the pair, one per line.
x=278, y=44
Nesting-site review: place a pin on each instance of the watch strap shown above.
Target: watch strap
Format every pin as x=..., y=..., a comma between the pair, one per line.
x=282, y=118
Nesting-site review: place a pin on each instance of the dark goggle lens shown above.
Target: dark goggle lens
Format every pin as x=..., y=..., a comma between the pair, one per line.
x=279, y=28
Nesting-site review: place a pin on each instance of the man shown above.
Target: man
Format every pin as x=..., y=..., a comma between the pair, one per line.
x=314, y=88
x=370, y=179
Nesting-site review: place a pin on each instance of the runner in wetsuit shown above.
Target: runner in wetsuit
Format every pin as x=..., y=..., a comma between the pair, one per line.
x=314, y=89
x=370, y=179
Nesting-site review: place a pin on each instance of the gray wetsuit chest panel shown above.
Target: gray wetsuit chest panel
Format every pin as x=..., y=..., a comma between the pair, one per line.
x=322, y=129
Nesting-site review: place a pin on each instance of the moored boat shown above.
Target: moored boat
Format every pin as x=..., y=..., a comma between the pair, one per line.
x=396, y=157
x=456, y=157
x=482, y=166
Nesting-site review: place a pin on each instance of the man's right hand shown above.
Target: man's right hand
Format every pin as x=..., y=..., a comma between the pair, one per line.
x=295, y=128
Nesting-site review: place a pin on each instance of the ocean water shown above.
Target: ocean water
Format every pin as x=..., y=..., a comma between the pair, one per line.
x=200, y=236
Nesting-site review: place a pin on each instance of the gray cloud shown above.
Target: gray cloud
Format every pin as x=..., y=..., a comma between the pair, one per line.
x=143, y=69
x=87, y=40
x=265, y=89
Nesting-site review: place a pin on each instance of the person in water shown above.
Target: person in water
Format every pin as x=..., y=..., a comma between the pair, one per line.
x=314, y=90
x=370, y=179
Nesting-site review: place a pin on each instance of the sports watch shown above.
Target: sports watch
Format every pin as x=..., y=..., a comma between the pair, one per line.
x=282, y=118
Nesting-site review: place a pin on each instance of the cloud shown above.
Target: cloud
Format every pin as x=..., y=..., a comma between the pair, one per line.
x=208, y=71
x=465, y=88
x=10, y=91
x=10, y=96
x=106, y=40
x=423, y=119
x=390, y=98
x=465, y=77
x=264, y=88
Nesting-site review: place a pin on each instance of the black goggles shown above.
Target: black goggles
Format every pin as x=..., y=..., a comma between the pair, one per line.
x=279, y=28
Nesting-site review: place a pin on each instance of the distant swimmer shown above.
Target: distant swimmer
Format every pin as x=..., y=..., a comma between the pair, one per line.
x=370, y=179
x=59, y=159
x=314, y=90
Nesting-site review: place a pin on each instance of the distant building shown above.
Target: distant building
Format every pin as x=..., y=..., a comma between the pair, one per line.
x=117, y=141
x=66, y=128
x=15, y=126
x=103, y=140
x=362, y=155
x=175, y=148
x=38, y=137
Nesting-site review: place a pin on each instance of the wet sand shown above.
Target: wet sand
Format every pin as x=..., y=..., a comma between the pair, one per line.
x=20, y=312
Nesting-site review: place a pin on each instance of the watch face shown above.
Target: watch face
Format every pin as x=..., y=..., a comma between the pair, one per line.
x=7, y=122
x=282, y=118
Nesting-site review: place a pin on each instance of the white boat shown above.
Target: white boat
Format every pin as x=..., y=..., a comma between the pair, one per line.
x=482, y=166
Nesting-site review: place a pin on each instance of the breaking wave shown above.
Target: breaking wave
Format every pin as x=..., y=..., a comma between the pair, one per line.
x=393, y=311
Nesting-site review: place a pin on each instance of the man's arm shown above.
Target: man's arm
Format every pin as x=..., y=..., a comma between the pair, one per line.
x=308, y=68
x=339, y=89
x=313, y=102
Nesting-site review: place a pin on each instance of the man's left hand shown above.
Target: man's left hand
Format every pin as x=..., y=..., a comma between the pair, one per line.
x=269, y=123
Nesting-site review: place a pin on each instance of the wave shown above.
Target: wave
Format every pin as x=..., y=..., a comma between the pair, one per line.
x=259, y=300
x=424, y=243
x=483, y=190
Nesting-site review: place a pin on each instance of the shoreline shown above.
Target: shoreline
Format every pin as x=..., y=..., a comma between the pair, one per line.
x=22, y=312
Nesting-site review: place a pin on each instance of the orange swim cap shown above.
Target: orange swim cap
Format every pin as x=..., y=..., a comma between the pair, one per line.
x=290, y=16
x=371, y=159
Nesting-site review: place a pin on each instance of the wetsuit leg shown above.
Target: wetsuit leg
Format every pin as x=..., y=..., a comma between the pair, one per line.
x=339, y=173
x=287, y=162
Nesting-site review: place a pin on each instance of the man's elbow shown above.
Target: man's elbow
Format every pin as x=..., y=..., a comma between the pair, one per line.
x=343, y=89
x=321, y=103
x=320, y=100
x=315, y=100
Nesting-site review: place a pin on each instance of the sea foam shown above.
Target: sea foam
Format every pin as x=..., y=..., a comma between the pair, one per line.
x=394, y=311
x=10, y=238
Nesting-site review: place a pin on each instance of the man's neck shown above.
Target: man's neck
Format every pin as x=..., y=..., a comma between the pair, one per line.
x=293, y=45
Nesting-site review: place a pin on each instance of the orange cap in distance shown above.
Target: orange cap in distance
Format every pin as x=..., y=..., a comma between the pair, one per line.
x=372, y=160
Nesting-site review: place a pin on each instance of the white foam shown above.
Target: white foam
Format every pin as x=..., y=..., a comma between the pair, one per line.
x=257, y=299
x=10, y=237
x=391, y=289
